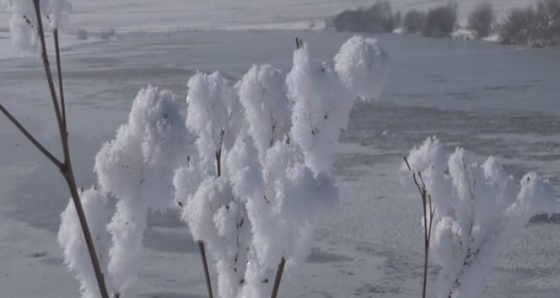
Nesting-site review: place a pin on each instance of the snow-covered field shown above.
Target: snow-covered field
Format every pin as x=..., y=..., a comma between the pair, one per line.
x=489, y=99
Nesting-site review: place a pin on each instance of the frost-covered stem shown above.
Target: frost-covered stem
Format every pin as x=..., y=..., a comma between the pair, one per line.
x=201, y=248
x=205, y=265
x=218, y=155
x=469, y=259
x=427, y=235
x=71, y=181
x=60, y=84
x=278, y=278
x=428, y=211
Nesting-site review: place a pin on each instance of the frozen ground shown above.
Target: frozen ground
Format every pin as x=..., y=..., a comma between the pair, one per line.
x=487, y=98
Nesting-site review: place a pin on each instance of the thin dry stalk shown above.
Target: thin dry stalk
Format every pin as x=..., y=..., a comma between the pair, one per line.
x=59, y=72
x=30, y=137
x=201, y=248
x=48, y=74
x=278, y=278
x=64, y=167
x=428, y=211
x=206, y=271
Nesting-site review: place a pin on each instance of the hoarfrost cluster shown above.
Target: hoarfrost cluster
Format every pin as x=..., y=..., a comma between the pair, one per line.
x=137, y=169
x=261, y=176
x=24, y=23
x=479, y=208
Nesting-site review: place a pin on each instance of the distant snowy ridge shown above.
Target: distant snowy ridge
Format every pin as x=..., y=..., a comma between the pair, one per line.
x=169, y=15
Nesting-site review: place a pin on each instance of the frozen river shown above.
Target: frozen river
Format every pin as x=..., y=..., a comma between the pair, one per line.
x=490, y=99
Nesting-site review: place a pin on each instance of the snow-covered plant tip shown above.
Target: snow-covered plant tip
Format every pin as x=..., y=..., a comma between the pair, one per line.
x=478, y=209
x=24, y=25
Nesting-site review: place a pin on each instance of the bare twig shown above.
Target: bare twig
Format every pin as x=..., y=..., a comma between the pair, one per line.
x=71, y=181
x=299, y=43
x=48, y=73
x=278, y=278
x=60, y=84
x=428, y=211
x=206, y=271
x=32, y=139
x=66, y=166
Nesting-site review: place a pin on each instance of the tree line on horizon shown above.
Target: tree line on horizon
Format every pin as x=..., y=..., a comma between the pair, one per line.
x=536, y=25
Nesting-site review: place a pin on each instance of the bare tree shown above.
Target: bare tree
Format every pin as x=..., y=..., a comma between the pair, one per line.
x=350, y=21
x=537, y=27
x=398, y=19
x=518, y=27
x=379, y=17
x=548, y=22
x=440, y=21
x=482, y=19
x=414, y=21
x=376, y=19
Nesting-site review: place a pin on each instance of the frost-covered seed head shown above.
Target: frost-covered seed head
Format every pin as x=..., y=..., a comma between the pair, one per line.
x=363, y=66
x=24, y=23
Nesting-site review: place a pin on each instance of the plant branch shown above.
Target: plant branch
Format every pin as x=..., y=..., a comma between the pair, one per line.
x=278, y=278
x=205, y=265
x=60, y=83
x=66, y=167
x=48, y=73
x=32, y=139
x=428, y=211
x=71, y=181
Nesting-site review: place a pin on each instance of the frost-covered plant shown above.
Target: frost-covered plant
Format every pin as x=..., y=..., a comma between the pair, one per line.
x=266, y=149
x=291, y=182
x=137, y=168
x=479, y=209
x=363, y=67
x=261, y=177
x=321, y=107
x=322, y=97
x=267, y=110
x=262, y=92
x=24, y=25
x=216, y=217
